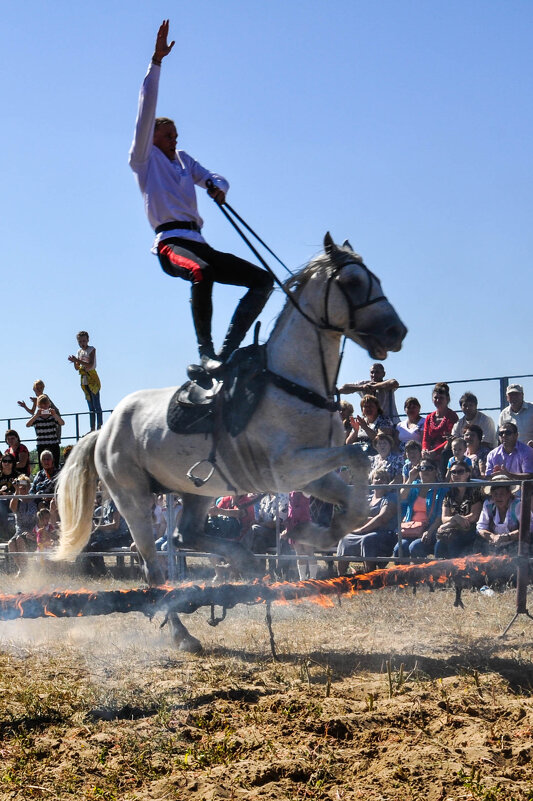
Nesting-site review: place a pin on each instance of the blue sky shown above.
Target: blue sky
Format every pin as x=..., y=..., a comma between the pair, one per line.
x=404, y=126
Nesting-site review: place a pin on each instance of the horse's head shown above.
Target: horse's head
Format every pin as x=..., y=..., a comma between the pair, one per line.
x=355, y=303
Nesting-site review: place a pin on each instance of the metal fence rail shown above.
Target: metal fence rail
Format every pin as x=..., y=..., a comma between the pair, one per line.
x=494, y=402
x=175, y=554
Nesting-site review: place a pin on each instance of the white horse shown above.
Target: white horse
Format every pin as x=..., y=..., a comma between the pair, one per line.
x=290, y=443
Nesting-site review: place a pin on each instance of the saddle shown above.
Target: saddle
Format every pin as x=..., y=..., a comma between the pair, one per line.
x=200, y=406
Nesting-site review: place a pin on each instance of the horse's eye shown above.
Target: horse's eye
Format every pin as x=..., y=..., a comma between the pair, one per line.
x=351, y=277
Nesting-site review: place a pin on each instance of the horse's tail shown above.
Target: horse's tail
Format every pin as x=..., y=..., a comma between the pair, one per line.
x=75, y=492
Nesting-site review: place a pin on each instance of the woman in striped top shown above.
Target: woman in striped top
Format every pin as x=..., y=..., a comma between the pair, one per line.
x=47, y=422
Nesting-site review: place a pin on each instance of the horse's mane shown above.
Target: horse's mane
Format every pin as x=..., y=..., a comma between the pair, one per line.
x=322, y=266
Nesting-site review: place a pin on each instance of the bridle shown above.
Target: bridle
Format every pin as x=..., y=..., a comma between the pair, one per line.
x=343, y=260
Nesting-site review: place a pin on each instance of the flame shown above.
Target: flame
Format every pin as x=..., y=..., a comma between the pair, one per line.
x=190, y=596
x=434, y=572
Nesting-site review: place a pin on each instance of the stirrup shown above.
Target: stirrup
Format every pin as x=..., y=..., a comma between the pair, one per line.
x=197, y=480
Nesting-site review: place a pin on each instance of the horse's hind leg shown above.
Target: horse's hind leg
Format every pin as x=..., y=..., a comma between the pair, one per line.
x=135, y=505
x=134, y=502
x=192, y=522
x=181, y=637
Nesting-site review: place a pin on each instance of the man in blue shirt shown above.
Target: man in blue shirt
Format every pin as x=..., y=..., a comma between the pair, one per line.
x=512, y=458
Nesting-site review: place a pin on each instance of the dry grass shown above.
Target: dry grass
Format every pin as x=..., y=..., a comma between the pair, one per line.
x=388, y=696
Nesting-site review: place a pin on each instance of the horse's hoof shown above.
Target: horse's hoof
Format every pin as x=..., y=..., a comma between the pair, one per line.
x=153, y=575
x=189, y=645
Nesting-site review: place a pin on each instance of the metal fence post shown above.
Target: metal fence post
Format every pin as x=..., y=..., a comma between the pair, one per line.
x=399, y=522
x=504, y=383
x=522, y=562
x=524, y=537
x=171, y=524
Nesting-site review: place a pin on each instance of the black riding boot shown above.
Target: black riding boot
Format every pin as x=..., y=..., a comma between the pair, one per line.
x=202, y=312
x=249, y=308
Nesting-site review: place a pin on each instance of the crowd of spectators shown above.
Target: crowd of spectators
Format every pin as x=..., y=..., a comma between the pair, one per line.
x=449, y=519
x=438, y=459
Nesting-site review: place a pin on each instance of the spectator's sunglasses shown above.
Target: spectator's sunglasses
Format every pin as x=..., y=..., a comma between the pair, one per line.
x=505, y=433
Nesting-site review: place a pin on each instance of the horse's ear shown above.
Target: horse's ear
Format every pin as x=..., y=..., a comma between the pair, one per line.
x=329, y=244
x=346, y=244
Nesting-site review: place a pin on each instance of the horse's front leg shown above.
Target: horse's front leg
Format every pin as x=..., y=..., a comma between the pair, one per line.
x=352, y=500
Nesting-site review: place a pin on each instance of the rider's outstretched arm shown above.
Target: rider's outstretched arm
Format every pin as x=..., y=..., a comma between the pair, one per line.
x=144, y=126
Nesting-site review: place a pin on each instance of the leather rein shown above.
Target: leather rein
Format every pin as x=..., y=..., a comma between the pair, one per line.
x=303, y=393
x=340, y=260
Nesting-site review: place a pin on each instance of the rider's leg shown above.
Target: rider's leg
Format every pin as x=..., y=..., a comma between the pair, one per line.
x=202, y=313
x=183, y=259
x=229, y=269
x=199, y=262
x=249, y=308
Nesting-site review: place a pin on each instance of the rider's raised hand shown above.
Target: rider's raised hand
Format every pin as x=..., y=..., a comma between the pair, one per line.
x=162, y=48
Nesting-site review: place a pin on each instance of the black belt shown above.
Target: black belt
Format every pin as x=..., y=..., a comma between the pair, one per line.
x=170, y=226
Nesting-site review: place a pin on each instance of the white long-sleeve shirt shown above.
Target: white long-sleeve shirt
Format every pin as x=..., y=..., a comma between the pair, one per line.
x=168, y=187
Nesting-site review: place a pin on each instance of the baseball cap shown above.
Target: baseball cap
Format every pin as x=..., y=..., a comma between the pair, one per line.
x=514, y=388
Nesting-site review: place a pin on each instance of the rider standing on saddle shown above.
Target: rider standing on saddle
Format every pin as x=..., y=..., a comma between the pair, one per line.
x=167, y=179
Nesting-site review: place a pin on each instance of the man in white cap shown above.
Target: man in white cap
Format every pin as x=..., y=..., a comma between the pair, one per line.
x=519, y=412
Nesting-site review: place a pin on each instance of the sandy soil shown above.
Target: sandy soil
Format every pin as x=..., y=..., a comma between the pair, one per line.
x=391, y=695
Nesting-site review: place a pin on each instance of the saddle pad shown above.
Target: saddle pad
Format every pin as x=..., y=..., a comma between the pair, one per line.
x=243, y=387
x=186, y=419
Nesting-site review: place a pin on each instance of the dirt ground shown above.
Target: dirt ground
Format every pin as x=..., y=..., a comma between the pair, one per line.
x=391, y=695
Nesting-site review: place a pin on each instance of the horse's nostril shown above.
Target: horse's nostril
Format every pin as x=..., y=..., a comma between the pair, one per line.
x=395, y=333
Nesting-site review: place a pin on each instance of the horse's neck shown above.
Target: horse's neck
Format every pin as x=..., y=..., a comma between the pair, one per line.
x=294, y=350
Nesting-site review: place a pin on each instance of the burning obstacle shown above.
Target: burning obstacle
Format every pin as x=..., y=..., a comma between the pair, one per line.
x=191, y=597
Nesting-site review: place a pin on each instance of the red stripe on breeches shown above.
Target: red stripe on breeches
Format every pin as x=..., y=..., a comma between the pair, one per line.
x=183, y=262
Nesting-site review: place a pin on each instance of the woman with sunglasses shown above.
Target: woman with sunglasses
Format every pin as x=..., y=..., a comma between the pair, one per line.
x=8, y=474
x=438, y=426
x=422, y=517
x=461, y=508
